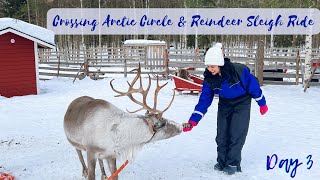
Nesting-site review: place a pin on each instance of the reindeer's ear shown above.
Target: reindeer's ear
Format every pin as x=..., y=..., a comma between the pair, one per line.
x=158, y=116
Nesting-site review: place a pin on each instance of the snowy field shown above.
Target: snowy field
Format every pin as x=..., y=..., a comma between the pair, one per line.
x=33, y=145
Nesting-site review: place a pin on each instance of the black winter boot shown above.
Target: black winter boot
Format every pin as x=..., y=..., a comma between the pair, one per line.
x=230, y=169
x=218, y=167
x=239, y=169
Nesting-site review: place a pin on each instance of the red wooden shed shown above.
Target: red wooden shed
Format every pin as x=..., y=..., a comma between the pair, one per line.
x=19, y=44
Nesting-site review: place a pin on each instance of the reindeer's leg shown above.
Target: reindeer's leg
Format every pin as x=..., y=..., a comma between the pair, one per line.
x=91, y=159
x=112, y=163
x=103, y=172
x=84, y=167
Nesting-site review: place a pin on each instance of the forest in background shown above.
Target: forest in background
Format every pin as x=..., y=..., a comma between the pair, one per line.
x=35, y=12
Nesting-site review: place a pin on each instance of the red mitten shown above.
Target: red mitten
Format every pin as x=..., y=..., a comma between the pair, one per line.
x=188, y=126
x=263, y=109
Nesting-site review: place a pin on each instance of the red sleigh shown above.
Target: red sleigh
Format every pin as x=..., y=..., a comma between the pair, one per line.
x=187, y=85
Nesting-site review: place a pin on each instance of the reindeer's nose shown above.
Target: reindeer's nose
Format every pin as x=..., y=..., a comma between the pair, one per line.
x=176, y=126
x=180, y=127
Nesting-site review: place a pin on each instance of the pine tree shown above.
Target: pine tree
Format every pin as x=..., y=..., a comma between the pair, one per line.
x=11, y=8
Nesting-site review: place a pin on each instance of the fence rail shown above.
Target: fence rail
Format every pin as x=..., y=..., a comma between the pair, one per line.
x=120, y=60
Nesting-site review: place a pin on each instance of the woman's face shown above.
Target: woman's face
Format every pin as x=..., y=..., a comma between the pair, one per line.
x=214, y=69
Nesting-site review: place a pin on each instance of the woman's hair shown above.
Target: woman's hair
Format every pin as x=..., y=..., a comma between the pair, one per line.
x=205, y=52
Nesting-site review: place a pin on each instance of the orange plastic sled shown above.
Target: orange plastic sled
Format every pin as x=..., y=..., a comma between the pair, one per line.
x=5, y=176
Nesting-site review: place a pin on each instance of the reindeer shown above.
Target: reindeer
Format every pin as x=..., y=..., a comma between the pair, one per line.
x=106, y=132
x=183, y=73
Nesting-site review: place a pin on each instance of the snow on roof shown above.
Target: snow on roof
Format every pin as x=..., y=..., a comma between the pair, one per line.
x=34, y=31
x=143, y=41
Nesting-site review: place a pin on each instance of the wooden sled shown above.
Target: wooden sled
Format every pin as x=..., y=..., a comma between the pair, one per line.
x=5, y=176
x=186, y=85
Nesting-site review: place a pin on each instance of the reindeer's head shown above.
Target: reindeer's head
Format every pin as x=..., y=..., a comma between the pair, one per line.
x=183, y=73
x=160, y=127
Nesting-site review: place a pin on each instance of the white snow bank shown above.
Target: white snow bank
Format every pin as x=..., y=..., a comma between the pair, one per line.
x=2, y=97
x=33, y=145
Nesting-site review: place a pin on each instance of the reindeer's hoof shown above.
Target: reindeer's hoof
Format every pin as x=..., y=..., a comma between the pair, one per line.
x=104, y=177
x=85, y=173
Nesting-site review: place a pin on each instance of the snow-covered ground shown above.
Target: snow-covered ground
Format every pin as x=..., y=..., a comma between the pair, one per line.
x=33, y=145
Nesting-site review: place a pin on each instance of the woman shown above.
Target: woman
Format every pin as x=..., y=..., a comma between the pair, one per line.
x=235, y=86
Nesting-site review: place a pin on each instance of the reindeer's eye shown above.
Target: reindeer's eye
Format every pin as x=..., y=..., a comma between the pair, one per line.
x=159, y=125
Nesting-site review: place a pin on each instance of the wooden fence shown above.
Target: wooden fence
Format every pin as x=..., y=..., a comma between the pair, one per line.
x=281, y=65
x=98, y=63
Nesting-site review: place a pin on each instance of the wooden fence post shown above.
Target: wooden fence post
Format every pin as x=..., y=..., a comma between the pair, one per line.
x=125, y=69
x=197, y=54
x=260, y=62
x=166, y=63
x=85, y=60
x=297, y=66
x=59, y=63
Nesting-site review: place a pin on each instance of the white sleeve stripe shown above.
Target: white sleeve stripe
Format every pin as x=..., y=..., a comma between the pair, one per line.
x=198, y=112
x=234, y=84
x=259, y=98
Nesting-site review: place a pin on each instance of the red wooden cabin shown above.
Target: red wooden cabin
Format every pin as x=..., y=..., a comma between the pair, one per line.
x=19, y=43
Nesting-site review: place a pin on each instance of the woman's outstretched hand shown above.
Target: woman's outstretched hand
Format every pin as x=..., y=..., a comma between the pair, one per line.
x=188, y=126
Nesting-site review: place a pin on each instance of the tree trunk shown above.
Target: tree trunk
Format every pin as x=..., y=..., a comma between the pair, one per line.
x=82, y=38
x=307, y=63
x=297, y=66
x=260, y=61
x=36, y=12
x=28, y=6
x=99, y=26
x=294, y=41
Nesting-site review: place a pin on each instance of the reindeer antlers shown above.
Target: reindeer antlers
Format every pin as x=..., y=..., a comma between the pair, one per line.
x=144, y=93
